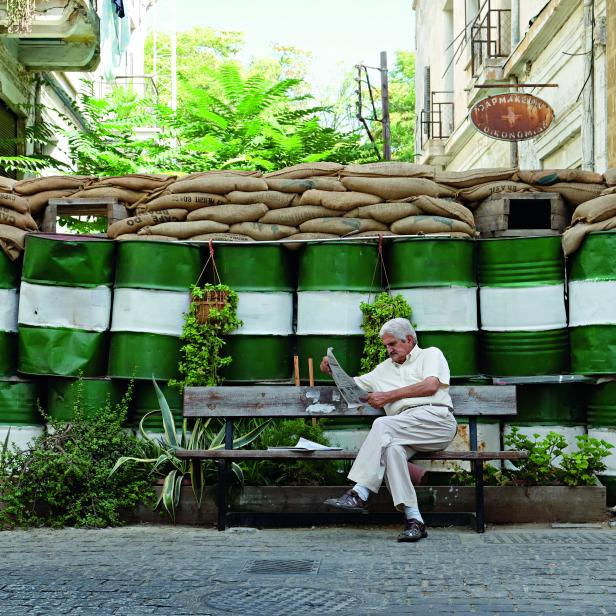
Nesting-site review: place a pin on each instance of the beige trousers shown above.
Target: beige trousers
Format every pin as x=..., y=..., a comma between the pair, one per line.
x=394, y=439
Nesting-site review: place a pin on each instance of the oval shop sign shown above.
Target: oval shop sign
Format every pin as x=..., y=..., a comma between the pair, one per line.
x=512, y=116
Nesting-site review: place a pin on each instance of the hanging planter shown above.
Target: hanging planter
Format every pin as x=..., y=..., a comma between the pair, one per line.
x=208, y=302
x=20, y=14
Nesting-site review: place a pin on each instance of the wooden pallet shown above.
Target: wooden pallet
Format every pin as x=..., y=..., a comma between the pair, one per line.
x=109, y=208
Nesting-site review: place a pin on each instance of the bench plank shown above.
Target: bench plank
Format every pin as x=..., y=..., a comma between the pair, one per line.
x=251, y=454
x=326, y=401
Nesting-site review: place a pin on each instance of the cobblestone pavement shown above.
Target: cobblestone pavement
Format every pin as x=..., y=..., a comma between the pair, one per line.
x=342, y=571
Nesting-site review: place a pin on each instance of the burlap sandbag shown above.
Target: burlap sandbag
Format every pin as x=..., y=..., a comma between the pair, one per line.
x=609, y=191
x=221, y=237
x=430, y=224
x=306, y=170
x=374, y=234
x=389, y=170
x=219, y=184
x=12, y=240
x=326, y=183
x=575, y=193
x=389, y=212
x=184, y=230
x=295, y=216
x=38, y=201
x=610, y=176
x=393, y=189
x=472, y=177
x=595, y=210
x=547, y=177
x=574, y=236
x=483, y=191
x=339, y=201
x=447, y=209
x=14, y=202
x=134, y=223
x=230, y=213
x=231, y=172
x=312, y=236
x=272, y=198
x=135, y=236
x=188, y=201
x=341, y=226
x=354, y=213
x=124, y=195
x=53, y=182
x=17, y=219
x=261, y=232
x=7, y=183
x=136, y=181
x=289, y=185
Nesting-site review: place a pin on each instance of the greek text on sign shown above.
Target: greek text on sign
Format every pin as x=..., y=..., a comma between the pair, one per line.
x=512, y=117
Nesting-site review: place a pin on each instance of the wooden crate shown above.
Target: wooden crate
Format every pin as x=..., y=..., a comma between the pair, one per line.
x=526, y=214
x=107, y=207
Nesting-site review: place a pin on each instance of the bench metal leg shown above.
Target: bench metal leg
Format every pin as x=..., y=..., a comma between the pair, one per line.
x=478, y=472
x=222, y=494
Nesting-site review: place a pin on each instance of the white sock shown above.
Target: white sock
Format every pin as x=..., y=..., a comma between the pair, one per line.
x=412, y=512
x=362, y=492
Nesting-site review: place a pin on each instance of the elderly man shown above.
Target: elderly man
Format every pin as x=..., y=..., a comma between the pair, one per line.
x=413, y=388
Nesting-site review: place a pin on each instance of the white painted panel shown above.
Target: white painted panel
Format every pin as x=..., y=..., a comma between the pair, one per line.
x=149, y=311
x=265, y=313
x=70, y=307
x=9, y=306
x=609, y=435
x=450, y=309
x=522, y=308
x=329, y=312
x=20, y=436
x=592, y=302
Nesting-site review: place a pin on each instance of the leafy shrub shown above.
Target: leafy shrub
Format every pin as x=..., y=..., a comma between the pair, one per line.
x=63, y=479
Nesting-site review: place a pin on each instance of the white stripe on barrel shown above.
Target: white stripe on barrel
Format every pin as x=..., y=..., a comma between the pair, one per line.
x=592, y=302
x=265, y=313
x=329, y=312
x=9, y=306
x=83, y=308
x=449, y=309
x=149, y=311
x=538, y=308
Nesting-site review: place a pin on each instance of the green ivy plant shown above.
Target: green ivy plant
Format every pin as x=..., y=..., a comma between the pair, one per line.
x=201, y=351
x=63, y=478
x=375, y=314
x=159, y=454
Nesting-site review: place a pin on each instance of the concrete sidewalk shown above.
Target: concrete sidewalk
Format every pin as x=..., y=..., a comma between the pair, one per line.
x=343, y=571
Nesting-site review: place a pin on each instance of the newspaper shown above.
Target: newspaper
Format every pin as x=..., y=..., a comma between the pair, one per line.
x=353, y=395
x=305, y=445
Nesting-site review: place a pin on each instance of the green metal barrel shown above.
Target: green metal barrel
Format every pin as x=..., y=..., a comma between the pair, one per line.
x=10, y=274
x=333, y=280
x=151, y=297
x=88, y=394
x=145, y=401
x=602, y=425
x=65, y=305
x=19, y=416
x=522, y=307
x=264, y=278
x=592, y=301
x=437, y=278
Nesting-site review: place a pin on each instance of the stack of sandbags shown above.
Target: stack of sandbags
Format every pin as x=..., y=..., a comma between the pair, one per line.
x=38, y=191
x=594, y=215
x=15, y=223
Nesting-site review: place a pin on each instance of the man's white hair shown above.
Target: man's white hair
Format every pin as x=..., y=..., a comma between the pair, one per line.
x=399, y=328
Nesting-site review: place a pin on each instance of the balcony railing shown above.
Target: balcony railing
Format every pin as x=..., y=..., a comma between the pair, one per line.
x=436, y=122
x=490, y=35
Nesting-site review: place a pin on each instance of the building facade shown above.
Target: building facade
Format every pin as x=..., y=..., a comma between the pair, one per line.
x=464, y=45
x=43, y=70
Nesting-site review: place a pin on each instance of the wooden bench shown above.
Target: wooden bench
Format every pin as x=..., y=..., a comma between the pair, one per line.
x=230, y=402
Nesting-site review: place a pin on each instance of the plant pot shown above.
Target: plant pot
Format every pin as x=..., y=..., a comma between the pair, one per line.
x=211, y=300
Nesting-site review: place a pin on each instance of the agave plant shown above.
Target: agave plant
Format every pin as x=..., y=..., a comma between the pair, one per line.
x=166, y=464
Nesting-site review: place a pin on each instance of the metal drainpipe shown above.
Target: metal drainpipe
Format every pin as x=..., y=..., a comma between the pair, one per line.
x=588, y=111
x=515, y=23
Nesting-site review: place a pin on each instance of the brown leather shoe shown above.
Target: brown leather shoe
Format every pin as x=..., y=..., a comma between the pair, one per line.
x=350, y=501
x=414, y=530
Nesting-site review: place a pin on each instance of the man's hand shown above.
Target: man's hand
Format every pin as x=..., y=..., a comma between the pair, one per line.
x=379, y=399
x=324, y=366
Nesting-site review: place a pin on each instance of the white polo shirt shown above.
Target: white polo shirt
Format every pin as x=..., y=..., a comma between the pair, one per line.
x=419, y=365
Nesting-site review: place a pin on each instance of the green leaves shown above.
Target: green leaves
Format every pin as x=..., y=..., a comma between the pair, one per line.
x=375, y=314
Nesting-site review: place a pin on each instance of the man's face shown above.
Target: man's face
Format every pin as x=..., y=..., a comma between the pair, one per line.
x=398, y=350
